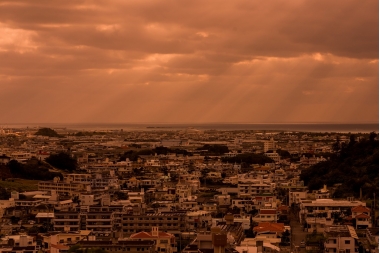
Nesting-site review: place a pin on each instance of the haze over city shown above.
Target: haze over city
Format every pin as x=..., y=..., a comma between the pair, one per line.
x=189, y=61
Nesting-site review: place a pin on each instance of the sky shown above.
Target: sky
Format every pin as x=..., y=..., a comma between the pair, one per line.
x=189, y=61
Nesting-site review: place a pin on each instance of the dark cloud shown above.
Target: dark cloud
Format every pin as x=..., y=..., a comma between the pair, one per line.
x=252, y=61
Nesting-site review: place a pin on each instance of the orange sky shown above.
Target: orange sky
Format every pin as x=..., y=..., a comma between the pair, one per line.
x=193, y=61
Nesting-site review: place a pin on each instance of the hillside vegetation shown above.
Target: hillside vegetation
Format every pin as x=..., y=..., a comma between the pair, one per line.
x=355, y=166
x=47, y=132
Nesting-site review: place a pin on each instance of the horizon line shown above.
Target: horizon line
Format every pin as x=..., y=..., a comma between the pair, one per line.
x=186, y=123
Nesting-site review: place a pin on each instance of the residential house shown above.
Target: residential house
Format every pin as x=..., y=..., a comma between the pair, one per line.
x=341, y=238
x=164, y=242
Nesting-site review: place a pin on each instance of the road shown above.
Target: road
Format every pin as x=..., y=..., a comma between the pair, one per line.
x=298, y=234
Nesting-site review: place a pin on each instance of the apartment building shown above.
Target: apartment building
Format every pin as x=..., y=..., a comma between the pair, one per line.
x=311, y=208
x=165, y=221
x=67, y=221
x=64, y=188
x=101, y=223
x=274, y=156
x=249, y=187
x=269, y=145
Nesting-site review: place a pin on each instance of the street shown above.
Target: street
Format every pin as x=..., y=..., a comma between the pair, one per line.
x=297, y=234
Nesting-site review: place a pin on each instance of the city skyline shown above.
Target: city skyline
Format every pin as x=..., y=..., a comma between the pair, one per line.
x=194, y=61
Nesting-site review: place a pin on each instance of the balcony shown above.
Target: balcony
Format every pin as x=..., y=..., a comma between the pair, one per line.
x=99, y=220
x=66, y=220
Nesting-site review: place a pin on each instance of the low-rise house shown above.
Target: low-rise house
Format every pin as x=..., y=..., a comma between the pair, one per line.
x=56, y=240
x=18, y=243
x=198, y=219
x=223, y=200
x=232, y=228
x=341, y=238
x=295, y=196
x=269, y=232
x=164, y=242
x=244, y=220
x=216, y=241
x=362, y=216
x=266, y=215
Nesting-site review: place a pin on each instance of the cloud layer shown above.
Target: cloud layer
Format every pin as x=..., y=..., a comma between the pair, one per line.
x=189, y=61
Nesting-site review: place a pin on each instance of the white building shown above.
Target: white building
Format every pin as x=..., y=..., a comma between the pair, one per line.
x=340, y=238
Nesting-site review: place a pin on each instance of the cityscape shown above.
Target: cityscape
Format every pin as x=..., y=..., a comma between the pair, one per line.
x=189, y=126
x=160, y=189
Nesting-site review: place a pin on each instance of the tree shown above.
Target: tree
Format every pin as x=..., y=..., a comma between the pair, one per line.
x=15, y=167
x=285, y=238
x=62, y=161
x=372, y=137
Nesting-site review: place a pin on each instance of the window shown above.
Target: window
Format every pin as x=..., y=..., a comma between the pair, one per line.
x=347, y=241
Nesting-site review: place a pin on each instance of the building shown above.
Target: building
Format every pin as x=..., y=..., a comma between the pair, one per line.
x=120, y=246
x=165, y=221
x=312, y=208
x=341, y=238
x=269, y=145
x=249, y=187
x=266, y=215
x=164, y=242
x=18, y=243
x=66, y=221
x=362, y=216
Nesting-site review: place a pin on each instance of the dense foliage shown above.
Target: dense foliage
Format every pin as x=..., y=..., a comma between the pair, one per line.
x=62, y=161
x=47, y=132
x=33, y=169
x=355, y=166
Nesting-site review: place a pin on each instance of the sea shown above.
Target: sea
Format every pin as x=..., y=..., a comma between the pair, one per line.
x=299, y=127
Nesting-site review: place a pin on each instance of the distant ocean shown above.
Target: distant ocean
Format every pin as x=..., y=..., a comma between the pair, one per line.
x=342, y=128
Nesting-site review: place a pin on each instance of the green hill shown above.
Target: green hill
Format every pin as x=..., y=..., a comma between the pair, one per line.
x=355, y=166
x=47, y=132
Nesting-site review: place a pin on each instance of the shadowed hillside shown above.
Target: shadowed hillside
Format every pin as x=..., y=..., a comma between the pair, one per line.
x=355, y=166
